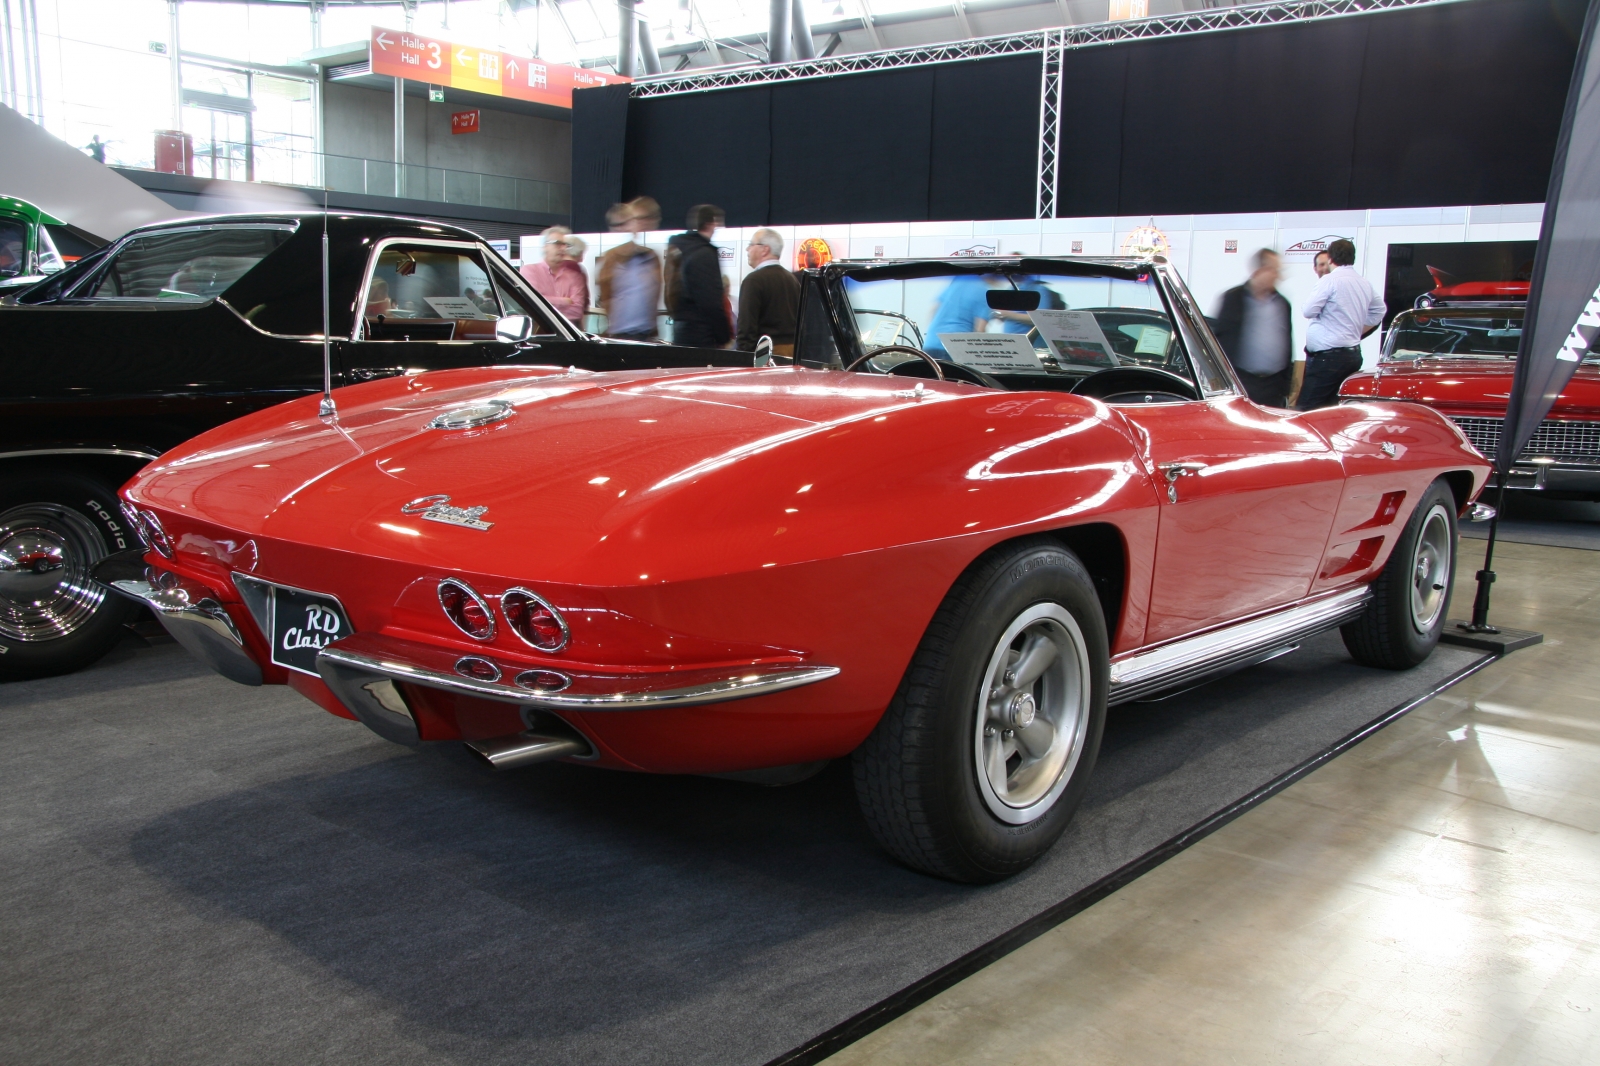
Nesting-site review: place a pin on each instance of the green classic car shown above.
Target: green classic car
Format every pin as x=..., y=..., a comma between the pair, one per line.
x=35, y=244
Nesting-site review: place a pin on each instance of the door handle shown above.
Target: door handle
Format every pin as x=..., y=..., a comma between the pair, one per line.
x=370, y=373
x=1174, y=471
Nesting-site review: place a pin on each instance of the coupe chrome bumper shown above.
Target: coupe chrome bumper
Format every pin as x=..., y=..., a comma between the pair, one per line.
x=189, y=613
x=362, y=670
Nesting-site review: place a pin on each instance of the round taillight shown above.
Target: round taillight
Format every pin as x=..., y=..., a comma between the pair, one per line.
x=534, y=620
x=468, y=610
x=155, y=534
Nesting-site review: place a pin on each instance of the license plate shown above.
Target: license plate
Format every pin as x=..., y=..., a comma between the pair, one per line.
x=303, y=623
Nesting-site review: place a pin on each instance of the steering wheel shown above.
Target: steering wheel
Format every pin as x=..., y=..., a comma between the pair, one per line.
x=1136, y=384
x=938, y=371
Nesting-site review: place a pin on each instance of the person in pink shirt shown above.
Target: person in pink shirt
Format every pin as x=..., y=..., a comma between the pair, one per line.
x=559, y=279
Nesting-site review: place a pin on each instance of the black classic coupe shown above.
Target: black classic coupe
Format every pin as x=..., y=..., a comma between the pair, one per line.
x=179, y=327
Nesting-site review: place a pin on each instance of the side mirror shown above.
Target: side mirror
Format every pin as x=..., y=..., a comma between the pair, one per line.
x=513, y=329
x=764, y=351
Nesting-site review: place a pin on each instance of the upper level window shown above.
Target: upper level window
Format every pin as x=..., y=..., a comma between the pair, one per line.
x=185, y=267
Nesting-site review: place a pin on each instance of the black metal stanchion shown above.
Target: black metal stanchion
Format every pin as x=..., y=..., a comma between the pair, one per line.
x=1480, y=602
x=1478, y=633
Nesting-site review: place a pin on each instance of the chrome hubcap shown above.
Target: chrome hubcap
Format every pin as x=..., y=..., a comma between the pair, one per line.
x=1430, y=569
x=45, y=554
x=1033, y=714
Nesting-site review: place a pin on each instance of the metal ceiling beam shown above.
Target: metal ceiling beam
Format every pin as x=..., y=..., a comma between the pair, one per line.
x=1084, y=36
x=961, y=17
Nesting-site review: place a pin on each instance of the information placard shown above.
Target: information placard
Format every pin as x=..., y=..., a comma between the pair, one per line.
x=1074, y=337
x=455, y=307
x=993, y=353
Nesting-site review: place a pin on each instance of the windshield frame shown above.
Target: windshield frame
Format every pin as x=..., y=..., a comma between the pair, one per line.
x=1407, y=319
x=848, y=339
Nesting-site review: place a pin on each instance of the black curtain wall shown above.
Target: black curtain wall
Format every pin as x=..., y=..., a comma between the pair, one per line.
x=1449, y=104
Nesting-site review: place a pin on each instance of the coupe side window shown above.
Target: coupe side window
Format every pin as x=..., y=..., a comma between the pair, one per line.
x=184, y=267
x=419, y=292
x=13, y=248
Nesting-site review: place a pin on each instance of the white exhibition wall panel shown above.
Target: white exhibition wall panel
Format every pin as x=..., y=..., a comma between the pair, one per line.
x=1212, y=252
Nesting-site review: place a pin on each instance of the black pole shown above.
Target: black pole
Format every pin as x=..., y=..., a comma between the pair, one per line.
x=1480, y=602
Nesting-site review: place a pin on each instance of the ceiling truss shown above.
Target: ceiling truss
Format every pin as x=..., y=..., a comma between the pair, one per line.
x=1070, y=37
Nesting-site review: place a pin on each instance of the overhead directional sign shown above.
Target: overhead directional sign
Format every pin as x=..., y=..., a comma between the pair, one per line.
x=402, y=54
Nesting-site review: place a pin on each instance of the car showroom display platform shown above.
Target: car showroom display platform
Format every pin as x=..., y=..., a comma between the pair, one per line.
x=199, y=872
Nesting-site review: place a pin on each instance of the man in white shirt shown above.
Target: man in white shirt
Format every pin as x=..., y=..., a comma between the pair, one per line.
x=1343, y=309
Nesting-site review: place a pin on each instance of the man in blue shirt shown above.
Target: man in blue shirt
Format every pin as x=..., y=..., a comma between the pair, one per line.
x=963, y=308
x=1343, y=308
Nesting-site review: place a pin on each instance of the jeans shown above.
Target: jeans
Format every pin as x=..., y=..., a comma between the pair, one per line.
x=1325, y=372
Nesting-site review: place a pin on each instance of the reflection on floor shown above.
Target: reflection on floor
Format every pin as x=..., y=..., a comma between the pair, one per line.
x=1431, y=896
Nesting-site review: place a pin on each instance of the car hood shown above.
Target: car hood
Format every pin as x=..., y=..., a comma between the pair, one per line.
x=598, y=478
x=1470, y=386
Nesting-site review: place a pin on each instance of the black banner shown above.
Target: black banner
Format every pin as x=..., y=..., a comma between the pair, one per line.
x=1563, y=318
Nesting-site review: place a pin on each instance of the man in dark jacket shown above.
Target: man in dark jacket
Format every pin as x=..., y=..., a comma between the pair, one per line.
x=769, y=299
x=1253, y=328
x=695, y=297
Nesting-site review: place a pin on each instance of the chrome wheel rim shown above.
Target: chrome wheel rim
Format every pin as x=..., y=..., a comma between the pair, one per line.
x=45, y=589
x=1033, y=714
x=1430, y=568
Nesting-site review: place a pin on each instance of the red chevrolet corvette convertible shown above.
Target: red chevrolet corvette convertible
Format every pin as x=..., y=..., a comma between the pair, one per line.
x=991, y=498
x=1460, y=360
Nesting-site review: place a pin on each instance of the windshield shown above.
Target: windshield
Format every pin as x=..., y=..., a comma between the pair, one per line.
x=1420, y=336
x=1010, y=323
x=13, y=248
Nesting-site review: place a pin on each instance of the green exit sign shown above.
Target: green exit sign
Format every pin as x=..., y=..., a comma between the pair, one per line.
x=436, y=94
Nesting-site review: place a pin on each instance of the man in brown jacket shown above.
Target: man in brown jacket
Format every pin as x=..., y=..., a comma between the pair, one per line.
x=628, y=279
x=769, y=297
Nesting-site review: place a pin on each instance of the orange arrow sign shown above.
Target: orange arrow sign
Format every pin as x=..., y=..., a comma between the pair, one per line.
x=402, y=54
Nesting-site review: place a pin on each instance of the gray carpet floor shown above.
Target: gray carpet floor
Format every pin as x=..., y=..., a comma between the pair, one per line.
x=1531, y=519
x=196, y=872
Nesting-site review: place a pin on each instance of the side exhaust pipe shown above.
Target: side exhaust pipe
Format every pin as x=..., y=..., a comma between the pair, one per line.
x=525, y=749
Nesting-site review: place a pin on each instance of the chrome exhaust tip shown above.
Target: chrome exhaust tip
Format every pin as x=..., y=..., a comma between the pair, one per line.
x=527, y=748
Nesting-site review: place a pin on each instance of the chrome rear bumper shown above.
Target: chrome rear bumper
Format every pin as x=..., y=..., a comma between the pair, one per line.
x=190, y=613
x=362, y=670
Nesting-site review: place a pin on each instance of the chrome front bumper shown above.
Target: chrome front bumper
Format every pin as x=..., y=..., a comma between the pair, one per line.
x=1555, y=476
x=190, y=613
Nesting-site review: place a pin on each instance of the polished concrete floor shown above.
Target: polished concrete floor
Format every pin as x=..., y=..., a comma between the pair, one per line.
x=1431, y=896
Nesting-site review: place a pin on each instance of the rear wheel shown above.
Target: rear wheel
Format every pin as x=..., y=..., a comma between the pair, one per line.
x=1411, y=598
x=53, y=617
x=984, y=754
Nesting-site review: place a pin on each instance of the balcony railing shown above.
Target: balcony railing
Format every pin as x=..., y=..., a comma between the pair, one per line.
x=281, y=165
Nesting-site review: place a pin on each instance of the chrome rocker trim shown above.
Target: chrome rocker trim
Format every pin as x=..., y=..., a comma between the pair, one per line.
x=1232, y=647
x=189, y=613
x=361, y=670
